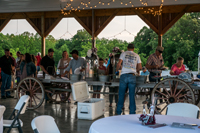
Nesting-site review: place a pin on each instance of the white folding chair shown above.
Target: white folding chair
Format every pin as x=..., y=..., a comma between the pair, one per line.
x=2, y=109
x=183, y=109
x=14, y=121
x=44, y=124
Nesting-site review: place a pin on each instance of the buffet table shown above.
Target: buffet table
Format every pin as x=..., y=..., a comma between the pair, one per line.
x=131, y=123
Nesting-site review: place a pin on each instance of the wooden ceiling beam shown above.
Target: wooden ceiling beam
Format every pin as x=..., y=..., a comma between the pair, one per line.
x=106, y=22
x=166, y=28
x=147, y=22
x=53, y=26
x=32, y=24
x=5, y=22
x=81, y=23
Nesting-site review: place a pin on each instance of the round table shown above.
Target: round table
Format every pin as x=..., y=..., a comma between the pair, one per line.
x=131, y=123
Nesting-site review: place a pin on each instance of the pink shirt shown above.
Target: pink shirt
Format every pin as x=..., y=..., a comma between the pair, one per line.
x=177, y=70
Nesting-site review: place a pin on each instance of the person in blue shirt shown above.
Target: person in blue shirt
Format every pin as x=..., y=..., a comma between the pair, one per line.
x=106, y=62
x=144, y=72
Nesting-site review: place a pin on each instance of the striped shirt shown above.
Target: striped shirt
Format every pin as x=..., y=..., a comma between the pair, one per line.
x=155, y=60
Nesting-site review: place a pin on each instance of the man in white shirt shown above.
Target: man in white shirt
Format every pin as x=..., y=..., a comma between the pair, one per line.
x=131, y=65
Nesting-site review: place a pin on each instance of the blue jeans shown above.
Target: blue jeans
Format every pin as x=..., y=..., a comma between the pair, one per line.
x=38, y=68
x=6, y=83
x=127, y=80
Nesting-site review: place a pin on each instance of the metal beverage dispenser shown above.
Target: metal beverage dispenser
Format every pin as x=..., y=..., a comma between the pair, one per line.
x=91, y=65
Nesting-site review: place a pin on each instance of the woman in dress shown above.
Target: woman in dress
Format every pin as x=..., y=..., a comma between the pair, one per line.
x=27, y=67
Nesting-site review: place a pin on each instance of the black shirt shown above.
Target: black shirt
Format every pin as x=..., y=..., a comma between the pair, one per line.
x=5, y=64
x=48, y=64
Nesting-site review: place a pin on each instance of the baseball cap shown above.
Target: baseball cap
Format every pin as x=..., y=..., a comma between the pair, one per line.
x=131, y=46
x=159, y=48
x=74, y=52
x=50, y=50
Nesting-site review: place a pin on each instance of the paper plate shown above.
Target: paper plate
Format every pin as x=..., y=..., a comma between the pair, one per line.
x=77, y=71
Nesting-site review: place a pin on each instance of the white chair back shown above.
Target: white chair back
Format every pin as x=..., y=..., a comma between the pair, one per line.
x=183, y=109
x=44, y=124
x=2, y=109
x=22, y=100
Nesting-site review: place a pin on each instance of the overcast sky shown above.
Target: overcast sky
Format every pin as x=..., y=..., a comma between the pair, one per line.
x=133, y=25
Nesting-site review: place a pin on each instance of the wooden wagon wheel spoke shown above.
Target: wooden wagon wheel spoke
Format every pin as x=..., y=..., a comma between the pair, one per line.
x=162, y=98
x=170, y=87
x=182, y=96
x=37, y=97
x=23, y=88
x=180, y=91
x=34, y=85
x=163, y=109
x=166, y=90
x=26, y=85
x=189, y=97
x=36, y=89
x=161, y=103
x=34, y=100
x=175, y=88
x=30, y=101
x=30, y=84
x=161, y=93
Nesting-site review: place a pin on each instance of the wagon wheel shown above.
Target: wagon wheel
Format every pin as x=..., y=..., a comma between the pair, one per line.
x=34, y=88
x=171, y=90
x=59, y=95
x=197, y=96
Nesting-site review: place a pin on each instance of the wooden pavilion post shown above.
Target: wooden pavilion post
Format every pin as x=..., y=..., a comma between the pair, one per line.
x=160, y=30
x=93, y=29
x=43, y=35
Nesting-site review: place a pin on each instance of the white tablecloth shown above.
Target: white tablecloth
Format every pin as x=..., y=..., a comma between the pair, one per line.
x=1, y=125
x=131, y=123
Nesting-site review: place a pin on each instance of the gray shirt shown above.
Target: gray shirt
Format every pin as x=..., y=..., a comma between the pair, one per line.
x=73, y=64
x=17, y=59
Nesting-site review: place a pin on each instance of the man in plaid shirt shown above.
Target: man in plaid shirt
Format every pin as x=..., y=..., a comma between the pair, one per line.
x=155, y=62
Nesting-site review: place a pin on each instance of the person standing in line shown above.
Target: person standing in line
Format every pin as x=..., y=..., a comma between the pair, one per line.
x=47, y=65
x=38, y=57
x=101, y=71
x=106, y=62
x=6, y=64
x=130, y=67
x=18, y=56
x=27, y=67
x=13, y=72
x=18, y=72
x=76, y=62
x=64, y=63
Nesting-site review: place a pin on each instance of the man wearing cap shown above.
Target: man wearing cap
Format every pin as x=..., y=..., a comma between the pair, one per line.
x=76, y=62
x=47, y=63
x=130, y=67
x=155, y=62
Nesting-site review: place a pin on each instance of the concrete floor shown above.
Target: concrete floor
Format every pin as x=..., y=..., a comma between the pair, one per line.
x=65, y=114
